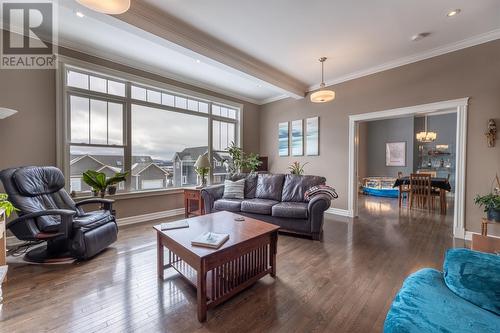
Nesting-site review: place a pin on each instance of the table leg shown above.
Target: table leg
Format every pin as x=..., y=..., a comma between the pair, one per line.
x=159, y=255
x=186, y=208
x=400, y=195
x=201, y=291
x=273, y=251
x=442, y=201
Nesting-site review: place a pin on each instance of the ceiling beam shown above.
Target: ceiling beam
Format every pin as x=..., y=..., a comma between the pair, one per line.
x=166, y=26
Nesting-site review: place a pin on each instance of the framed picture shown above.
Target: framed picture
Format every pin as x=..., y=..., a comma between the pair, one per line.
x=284, y=139
x=297, y=137
x=312, y=136
x=395, y=154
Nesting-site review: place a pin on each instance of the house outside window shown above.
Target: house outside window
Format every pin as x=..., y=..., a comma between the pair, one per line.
x=168, y=131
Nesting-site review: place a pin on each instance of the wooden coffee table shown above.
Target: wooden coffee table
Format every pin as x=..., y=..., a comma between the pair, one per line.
x=248, y=255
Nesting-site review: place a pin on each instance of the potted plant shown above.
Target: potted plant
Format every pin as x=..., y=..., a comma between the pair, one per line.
x=252, y=162
x=491, y=202
x=6, y=205
x=99, y=183
x=296, y=168
x=112, y=181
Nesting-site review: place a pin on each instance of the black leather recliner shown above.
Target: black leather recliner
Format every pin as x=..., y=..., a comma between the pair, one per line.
x=47, y=212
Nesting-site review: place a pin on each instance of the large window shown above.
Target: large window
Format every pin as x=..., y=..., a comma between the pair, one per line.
x=156, y=135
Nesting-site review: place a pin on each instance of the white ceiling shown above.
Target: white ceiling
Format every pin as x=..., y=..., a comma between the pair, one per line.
x=358, y=37
x=109, y=38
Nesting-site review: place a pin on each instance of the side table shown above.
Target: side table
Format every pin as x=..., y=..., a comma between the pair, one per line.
x=193, y=202
x=483, y=242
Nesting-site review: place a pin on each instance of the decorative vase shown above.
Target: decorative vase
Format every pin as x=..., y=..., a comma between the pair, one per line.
x=95, y=193
x=103, y=193
x=494, y=214
x=112, y=190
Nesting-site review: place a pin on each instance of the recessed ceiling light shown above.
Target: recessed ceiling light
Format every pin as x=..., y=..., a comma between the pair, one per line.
x=420, y=36
x=80, y=14
x=259, y=85
x=198, y=61
x=454, y=12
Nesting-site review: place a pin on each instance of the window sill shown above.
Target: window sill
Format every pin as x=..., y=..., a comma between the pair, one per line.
x=134, y=195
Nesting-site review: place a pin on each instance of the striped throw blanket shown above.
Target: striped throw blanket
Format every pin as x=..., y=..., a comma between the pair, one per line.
x=321, y=189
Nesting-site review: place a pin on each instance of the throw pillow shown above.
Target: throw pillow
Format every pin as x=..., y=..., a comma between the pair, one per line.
x=234, y=190
x=474, y=276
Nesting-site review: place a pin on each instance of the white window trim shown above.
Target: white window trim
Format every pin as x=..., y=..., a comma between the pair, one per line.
x=62, y=109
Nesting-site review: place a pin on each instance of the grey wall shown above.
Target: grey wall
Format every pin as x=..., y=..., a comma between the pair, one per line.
x=379, y=133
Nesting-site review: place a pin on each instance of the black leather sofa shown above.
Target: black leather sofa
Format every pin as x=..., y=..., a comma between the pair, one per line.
x=277, y=199
x=47, y=213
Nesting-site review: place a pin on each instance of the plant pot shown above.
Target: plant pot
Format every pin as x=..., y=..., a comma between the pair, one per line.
x=95, y=193
x=112, y=190
x=494, y=214
x=103, y=193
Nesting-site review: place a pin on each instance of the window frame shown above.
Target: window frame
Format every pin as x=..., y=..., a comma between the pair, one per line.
x=63, y=119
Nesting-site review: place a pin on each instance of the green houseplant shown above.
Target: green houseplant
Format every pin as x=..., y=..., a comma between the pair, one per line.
x=296, y=168
x=240, y=161
x=6, y=205
x=491, y=202
x=99, y=183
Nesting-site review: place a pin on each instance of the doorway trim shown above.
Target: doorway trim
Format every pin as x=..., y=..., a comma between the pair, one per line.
x=457, y=105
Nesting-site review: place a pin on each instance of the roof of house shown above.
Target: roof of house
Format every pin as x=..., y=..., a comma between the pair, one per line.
x=138, y=168
x=192, y=153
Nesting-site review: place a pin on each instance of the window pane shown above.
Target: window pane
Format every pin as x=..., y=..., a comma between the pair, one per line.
x=180, y=102
x=223, y=136
x=107, y=160
x=115, y=124
x=216, y=135
x=230, y=133
x=154, y=96
x=192, y=105
x=138, y=93
x=203, y=107
x=79, y=110
x=98, y=122
x=216, y=110
x=116, y=88
x=223, y=112
x=167, y=99
x=232, y=113
x=168, y=144
x=78, y=80
x=220, y=167
x=98, y=84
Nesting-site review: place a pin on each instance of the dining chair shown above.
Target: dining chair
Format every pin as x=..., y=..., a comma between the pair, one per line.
x=404, y=191
x=420, y=190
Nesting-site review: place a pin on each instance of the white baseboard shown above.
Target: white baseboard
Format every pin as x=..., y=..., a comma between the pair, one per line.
x=13, y=241
x=149, y=217
x=468, y=235
x=339, y=212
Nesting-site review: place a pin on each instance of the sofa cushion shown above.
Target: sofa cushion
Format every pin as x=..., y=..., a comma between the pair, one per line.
x=234, y=189
x=269, y=186
x=295, y=187
x=294, y=210
x=474, y=276
x=230, y=205
x=425, y=304
x=258, y=206
x=250, y=185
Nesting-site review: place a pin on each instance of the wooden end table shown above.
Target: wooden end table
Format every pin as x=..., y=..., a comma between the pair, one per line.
x=193, y=202
x=248, y=255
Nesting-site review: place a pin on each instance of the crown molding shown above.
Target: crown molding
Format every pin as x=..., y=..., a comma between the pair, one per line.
x=164, y=25
x=272, y=99
x=465, y=43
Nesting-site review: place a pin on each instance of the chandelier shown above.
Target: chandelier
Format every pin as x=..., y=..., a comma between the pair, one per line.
x=322, y=95
x=426, y=136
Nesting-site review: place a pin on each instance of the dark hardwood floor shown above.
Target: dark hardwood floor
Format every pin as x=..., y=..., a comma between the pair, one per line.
x=343, y=284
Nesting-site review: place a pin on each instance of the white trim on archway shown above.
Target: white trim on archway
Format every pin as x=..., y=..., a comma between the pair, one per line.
x=457, y=105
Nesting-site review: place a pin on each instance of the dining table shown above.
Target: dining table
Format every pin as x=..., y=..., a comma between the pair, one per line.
x=440, y=183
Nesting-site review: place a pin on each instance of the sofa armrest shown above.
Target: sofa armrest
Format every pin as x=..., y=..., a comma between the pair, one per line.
x=210, y=194
x=316, y=211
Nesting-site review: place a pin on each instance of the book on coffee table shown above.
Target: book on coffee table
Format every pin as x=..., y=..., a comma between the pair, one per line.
x=210, y=239
x=174, y=225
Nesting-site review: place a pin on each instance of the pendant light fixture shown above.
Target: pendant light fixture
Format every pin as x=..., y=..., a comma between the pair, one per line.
x=322, y=95
x=107, y=6
x=425, y=136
